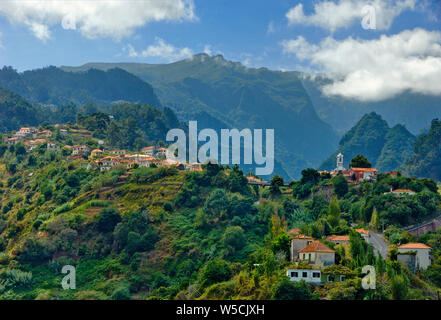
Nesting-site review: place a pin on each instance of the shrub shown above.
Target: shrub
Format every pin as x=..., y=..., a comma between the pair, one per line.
x=108, y=219
x=287, y=290
x=215, y=271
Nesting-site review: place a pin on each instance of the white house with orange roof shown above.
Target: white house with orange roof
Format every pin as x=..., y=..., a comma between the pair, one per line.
x=317, y=254
x=80, y=149
x=421, y=251
x=149, y=150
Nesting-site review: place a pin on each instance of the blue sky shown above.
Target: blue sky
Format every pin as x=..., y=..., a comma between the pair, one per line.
x=257, y=33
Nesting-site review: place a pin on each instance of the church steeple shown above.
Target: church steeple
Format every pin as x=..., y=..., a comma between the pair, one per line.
x=340, y=162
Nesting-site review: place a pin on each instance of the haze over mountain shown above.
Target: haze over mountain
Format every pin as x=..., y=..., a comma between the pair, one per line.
x=414, y=111
x=386, y=148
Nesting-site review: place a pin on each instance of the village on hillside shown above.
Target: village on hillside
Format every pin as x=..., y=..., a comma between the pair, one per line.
x=99, y=158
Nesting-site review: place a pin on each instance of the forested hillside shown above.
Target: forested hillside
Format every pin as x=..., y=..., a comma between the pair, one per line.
x=51, y=85
x=426, y=159
x=16, y=111
x=386, y=148
x=164, y=233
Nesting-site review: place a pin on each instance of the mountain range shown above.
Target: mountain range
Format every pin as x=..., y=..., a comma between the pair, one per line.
x=222, y=94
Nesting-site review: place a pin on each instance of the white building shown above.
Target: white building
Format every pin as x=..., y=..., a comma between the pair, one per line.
x=340, y=166
x=422, y=256
x=312, y=276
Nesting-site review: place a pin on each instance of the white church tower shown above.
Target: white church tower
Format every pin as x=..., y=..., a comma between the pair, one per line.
x=339, y=162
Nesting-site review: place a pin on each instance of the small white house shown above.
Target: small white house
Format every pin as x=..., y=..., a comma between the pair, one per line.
x=422, y=254
x=312, y=276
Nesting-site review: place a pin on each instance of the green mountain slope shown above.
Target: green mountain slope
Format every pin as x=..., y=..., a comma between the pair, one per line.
x=425, y=162
x=15, y=111
x=54, y=86
x=241, y=97
x=386, y=148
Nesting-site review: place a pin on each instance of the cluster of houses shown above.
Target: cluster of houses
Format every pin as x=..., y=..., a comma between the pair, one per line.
x=103, y=160
x=314, y=262
x=358, y=175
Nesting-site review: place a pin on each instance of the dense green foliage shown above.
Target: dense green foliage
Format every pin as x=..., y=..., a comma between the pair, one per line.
x=15, y=111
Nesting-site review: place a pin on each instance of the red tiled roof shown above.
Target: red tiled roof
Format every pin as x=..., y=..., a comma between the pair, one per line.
x=361, y=230
x=317, y=246
x=303, y=237
x=414, y=245
x=337, y=238
x=364, y=169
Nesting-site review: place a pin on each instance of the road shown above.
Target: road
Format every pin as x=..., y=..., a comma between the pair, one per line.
x=379, y=243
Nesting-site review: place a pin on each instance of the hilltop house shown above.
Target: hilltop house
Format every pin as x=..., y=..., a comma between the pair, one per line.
x=53, y=146
x=400, y=192
x=80, y=150
x=118, y=152
x=44, y=134
x=421, y=253
x=298, y=243
x=96, y=152
x=149, y=151
x=161, y=152
x=26, y=131
x=106, y=163
x=364, y=174
x=12, y=141
x=338, y=239
x=317, y=254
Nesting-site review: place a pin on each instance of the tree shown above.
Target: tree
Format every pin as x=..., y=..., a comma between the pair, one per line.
x=108, y=219
x=340, y=185
x=359, y=161
x=287, y=290
x=334, y=212
x=234, y=237
x=310, y=175
x=276, y=183
x=215, y=271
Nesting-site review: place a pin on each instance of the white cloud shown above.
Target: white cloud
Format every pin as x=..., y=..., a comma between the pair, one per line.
x=373, y=70
x=161, y=50
x=332, y=15
x=94, y=18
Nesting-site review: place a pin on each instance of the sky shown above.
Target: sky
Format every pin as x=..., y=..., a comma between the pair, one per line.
x=373, y=49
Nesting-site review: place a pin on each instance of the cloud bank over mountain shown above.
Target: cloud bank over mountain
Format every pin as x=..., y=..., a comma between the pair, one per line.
x=374, y=70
